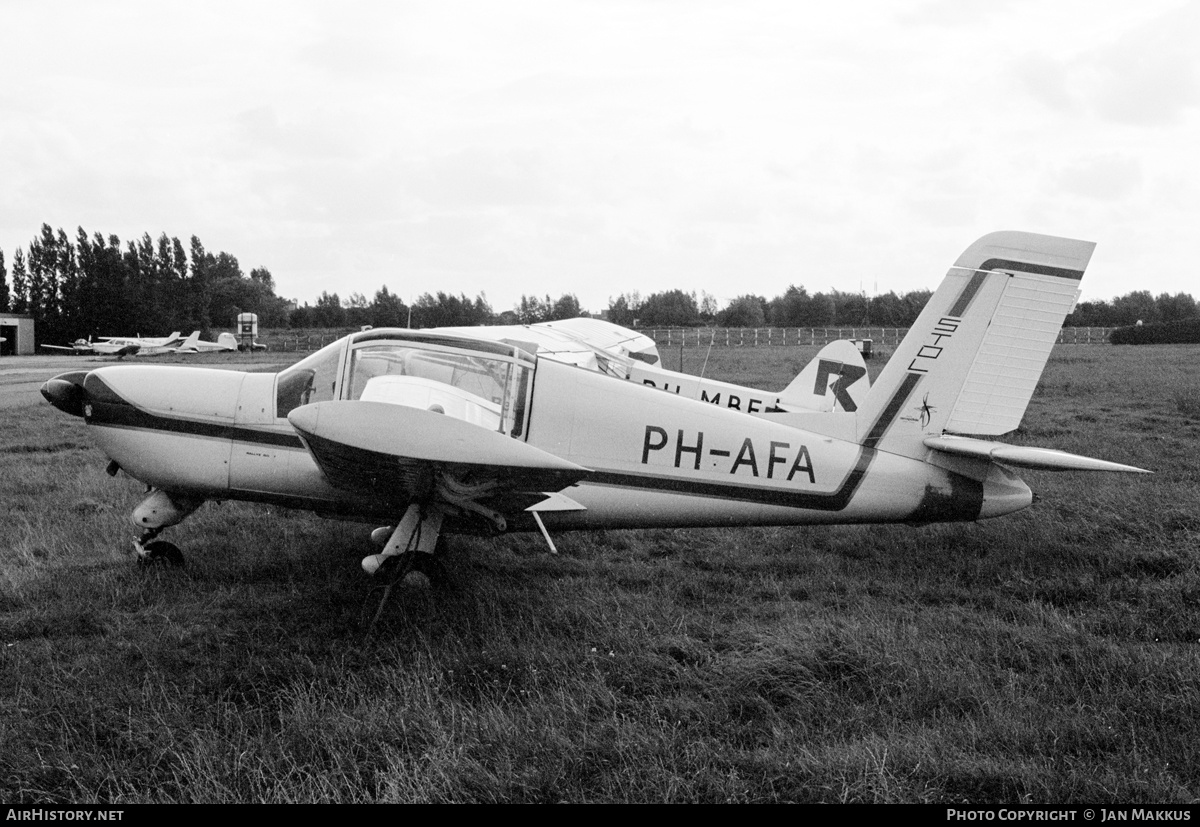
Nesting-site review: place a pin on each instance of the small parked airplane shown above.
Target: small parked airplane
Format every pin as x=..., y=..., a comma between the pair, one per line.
x=80, y=346
x=835, y=379
x=432, y=431
x=121, y=346
x=192, y=344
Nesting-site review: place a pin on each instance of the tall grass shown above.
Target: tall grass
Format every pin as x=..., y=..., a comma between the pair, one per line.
x=1052, y=656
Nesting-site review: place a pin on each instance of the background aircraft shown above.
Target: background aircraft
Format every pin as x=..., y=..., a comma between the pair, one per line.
x=78, y=346
x=193, y=344
x=121, y=346
x=835, y=380
x=431, y=431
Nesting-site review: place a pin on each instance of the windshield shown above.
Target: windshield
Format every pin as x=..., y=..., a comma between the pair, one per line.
x=312, y=379
x=482, y=382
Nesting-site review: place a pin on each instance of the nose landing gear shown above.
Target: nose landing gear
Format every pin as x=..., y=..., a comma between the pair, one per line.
x=158, y=511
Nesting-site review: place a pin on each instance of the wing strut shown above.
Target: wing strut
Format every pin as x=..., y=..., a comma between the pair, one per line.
x=538, y=519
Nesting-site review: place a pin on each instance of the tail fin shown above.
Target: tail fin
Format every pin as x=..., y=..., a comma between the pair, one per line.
x=816, y=389
x=973, y=359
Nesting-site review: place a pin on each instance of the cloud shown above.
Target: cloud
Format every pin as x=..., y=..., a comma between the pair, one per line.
x=1148, y=76
x=1106, y=179
x=1047, y=81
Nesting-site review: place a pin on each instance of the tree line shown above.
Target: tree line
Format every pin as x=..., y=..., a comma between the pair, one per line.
x=797, y=308
x=794, y=308
x=94, y=285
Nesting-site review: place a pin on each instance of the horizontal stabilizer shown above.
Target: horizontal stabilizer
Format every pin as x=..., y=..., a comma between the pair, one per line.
x=556, y=501
x=1044, y=459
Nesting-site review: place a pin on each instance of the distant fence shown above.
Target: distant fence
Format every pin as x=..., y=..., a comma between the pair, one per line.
x=715, y=336
x=300, y=343
x=1085, y=335
x=783, y=336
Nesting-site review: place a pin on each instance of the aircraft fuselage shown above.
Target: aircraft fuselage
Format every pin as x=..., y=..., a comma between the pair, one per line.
x=656, y=460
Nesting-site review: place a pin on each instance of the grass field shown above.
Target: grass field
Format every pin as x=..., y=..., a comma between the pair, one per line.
x=1048, y=657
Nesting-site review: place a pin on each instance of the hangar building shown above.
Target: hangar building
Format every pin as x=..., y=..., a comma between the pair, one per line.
x=16, y=329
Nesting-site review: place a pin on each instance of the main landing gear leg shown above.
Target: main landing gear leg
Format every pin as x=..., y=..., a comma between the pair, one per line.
x=410, y=547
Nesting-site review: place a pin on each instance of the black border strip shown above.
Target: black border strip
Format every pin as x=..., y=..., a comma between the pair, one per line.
x=891, y=410
x=964, y=298
x=1036, y=269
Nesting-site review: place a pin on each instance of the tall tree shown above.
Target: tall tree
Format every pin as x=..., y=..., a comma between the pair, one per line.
x=744, y=311
x=67, y=268
x=445, y=310
x=20, y=284
x=387, y=310
x=3, y=285
x=532, y=310
x=791, y=309
x=200, y=286
x=674, y=308
x=42, y=284
x=329, y=311
x=262, y=276
x=624, y=310
x=566, y=307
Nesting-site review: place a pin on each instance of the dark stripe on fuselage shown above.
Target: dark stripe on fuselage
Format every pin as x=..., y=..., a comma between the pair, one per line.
x=106, y=407
x=835, y=500
x=827, y=501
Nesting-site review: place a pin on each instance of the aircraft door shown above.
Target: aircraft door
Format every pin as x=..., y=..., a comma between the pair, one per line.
x=262, y=449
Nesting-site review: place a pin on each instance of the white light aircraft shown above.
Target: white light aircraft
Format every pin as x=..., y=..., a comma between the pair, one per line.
x=121, y=346
x=193, y=344
x=80, y=346
x=432, y=431
x=835, y=380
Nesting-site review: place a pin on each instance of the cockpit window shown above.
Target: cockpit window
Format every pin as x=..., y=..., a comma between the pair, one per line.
x=483, y=382
x=312, y=379
x=479, y=386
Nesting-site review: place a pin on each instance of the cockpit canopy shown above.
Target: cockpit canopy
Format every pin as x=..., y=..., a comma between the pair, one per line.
x=483, y=382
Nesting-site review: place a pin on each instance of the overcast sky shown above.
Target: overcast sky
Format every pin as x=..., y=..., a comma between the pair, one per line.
x=599, y=148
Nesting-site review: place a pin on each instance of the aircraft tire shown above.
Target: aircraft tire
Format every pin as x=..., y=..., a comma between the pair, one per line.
x=161, y=553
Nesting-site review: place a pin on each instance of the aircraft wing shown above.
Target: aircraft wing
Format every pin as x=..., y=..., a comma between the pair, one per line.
x=66, y=347
x=1043, y=459
x=588, y=343
x=609, y=337
x=400, y=453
